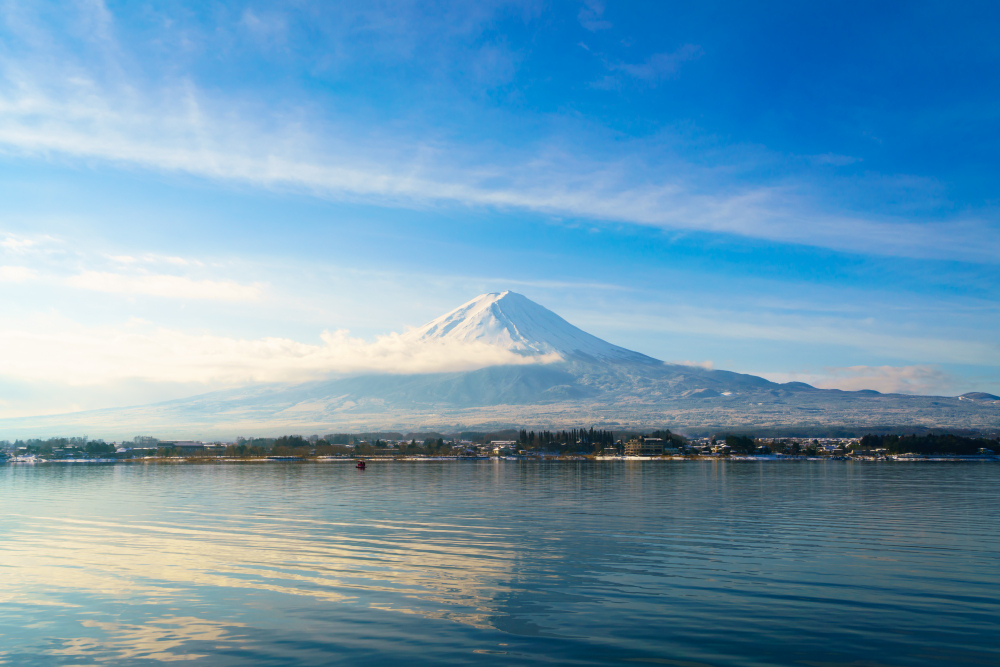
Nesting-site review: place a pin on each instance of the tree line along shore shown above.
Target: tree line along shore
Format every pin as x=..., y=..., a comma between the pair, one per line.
x=590, y=443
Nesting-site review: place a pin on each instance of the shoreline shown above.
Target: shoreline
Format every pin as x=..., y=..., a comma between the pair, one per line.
x=517, y=459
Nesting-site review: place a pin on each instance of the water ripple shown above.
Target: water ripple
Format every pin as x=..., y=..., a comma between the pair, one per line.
x=571, y=563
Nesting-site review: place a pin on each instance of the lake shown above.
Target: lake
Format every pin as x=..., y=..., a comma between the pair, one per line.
x=504, y=562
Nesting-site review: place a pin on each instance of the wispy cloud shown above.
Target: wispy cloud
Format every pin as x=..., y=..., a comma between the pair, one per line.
x=834, y=159
x=104, y=114
x=23, y=245
x=15, y=244
x=269, y=29
x=658, y=67
x=146, y=274
x=150, y=258
x=708, y=364
x=591, y=16
x=163, y=285
x=96, y=113
x=16, y=274
x=181, y=143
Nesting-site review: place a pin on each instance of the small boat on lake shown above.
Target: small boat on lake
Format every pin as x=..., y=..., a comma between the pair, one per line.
x=361, y=465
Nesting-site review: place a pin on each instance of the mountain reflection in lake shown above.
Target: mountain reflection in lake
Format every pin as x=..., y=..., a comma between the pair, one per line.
x=693, y=563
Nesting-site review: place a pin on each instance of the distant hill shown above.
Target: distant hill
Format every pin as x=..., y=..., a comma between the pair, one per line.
x=584, y=381
x=979, y=396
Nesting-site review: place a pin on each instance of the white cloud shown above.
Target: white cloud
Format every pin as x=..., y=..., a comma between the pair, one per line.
x=58, y=263
x=886, y=379
x=268, y=29
x=708, y=364
x=659, y=66
x=68, y=353
x=100, y=113
x=591, y=16
x=23, y=245
x=168, y=286
x=833, y=159
x=15, y=244
x=150, y=258
x=16, y=274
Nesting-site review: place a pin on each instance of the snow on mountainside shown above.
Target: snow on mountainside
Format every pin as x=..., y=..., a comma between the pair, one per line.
x=516, y=323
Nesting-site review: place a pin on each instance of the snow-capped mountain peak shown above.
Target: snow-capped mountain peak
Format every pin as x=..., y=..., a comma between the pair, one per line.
x=514, y=322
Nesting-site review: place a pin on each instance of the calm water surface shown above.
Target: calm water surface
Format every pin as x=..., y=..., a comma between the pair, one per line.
x=686, y=564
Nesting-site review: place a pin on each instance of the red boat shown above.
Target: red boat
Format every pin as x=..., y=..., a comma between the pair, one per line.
x=361, y=465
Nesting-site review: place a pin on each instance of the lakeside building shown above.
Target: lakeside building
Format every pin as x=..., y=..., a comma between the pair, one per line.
x=647, y=447
x=503, y=447
x=184, y=446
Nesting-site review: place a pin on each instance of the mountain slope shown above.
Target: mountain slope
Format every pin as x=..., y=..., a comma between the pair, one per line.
x=592, y=383
x=516, y=323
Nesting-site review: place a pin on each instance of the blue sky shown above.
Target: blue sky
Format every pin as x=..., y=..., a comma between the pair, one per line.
x=191, y=194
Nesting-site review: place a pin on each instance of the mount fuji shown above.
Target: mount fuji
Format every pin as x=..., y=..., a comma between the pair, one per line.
x=564, y=377
x=518, y=324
